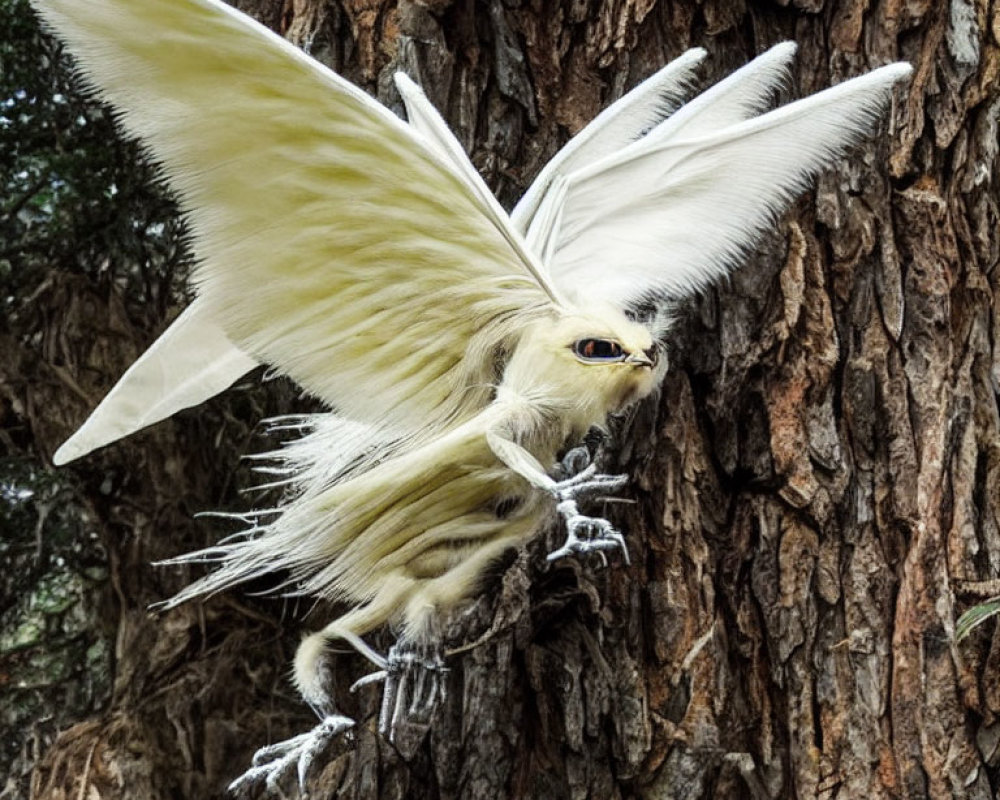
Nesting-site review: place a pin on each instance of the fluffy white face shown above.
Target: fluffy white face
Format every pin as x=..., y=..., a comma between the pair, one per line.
x=594, y=362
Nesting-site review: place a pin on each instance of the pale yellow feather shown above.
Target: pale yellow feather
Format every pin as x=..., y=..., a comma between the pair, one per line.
x=292, y=180
x=363, y=260
x=407, y=535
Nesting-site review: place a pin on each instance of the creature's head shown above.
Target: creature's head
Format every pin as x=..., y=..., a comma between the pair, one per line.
x=596, y=360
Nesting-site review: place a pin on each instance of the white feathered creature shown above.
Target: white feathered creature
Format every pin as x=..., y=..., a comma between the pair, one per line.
x=460, y=348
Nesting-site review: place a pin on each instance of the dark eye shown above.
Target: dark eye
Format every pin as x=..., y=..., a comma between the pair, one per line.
x=598, y=350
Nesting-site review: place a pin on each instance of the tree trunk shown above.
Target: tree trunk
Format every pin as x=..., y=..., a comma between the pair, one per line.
x=817, y=485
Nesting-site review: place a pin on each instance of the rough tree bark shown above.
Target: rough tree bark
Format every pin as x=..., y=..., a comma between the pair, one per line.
x=817, y=484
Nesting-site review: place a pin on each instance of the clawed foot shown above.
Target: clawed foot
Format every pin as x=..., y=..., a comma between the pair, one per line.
x=587, y=534
x=414, y=687
x=272, y=763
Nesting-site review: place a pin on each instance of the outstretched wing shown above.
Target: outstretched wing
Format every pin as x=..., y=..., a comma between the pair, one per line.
x=621, y=123
x=194, y=359
x=333, y=242
x=191, y=361
x=680, y=207
x=743, y=94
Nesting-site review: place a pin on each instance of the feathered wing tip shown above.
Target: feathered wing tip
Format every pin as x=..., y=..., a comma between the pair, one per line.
x=261, y=142
x=743, y=94
x=192, y=361
x=668, y=219
x=428, y=122
x=618, y=125
x=327, y=450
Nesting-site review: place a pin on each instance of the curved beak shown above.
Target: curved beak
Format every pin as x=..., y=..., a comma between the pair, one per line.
x=641, y=359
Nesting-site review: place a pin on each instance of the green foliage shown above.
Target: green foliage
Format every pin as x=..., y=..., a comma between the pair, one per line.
x=72, y=194
x=55, y=650
x=52, y=659
x=80, y=211
x=976, y=616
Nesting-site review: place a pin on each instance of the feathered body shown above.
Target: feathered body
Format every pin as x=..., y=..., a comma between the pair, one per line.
x=460, y=348
x=403, y=535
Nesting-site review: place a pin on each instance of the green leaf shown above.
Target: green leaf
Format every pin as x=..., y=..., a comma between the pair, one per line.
x=975, y=616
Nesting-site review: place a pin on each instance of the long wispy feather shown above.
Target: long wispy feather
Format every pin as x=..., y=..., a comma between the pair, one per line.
x=290, y=177
x=366, y=259
x=190, y=362
x=681, y=207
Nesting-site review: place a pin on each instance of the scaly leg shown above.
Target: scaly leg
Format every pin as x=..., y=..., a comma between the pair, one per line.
x=414, y=687
x=586, y=534
x=273, y=762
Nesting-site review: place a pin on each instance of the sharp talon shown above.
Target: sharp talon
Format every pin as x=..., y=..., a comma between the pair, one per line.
x=272, y=763
x=396, y=718
x=581, y=477
x=273, y=752
x=587, y=483
x=587, y=534
x=400, y=701
x=367, y=680
x=388, y=704
x=419, y=690
x=413, y=690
